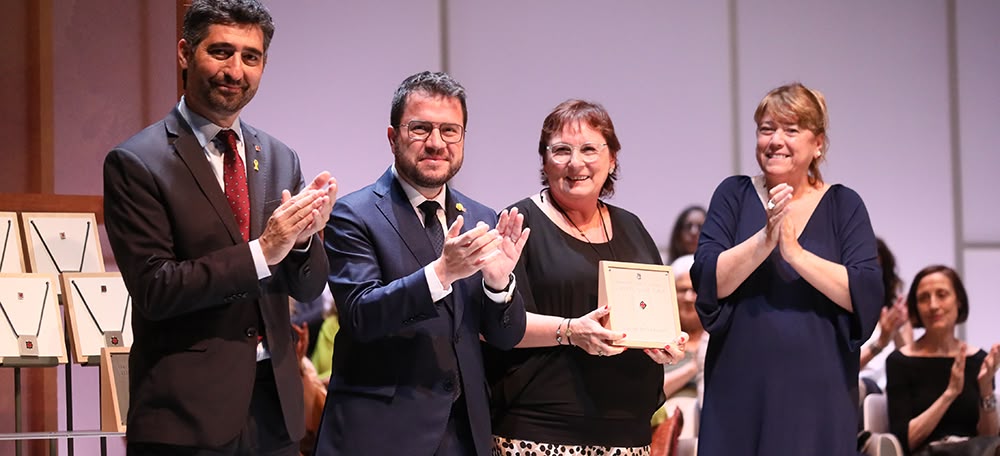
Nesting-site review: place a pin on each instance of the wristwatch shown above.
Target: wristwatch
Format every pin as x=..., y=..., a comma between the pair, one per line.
x=988, y=403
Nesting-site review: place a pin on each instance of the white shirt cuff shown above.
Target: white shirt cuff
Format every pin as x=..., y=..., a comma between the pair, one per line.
x=503, y=296
x=259, y=262
x=434, y=284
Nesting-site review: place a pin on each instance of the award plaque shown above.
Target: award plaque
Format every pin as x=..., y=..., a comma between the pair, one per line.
x=98, y=313
x=11, y=259
x=114, y=389
x=61, y=242
x=31, y=330
x=642, y=301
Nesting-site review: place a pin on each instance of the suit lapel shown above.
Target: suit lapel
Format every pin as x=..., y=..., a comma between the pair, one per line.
x=396, y=208
x=193, y=156
x=258, y=178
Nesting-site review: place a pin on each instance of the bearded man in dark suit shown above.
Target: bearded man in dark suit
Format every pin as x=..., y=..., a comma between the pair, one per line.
x=414, y=298
x=211, y=242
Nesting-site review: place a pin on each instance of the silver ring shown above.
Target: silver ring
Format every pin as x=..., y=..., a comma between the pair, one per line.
x=600, y=352
x=770, y=204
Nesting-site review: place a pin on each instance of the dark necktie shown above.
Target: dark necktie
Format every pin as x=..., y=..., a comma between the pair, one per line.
x=432, y=225
x=235, y=177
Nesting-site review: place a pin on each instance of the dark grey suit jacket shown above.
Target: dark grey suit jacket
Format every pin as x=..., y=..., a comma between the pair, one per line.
x=401, y=359
x=198, y=303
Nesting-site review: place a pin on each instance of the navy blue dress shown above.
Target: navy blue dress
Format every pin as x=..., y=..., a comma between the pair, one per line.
x=781, y=371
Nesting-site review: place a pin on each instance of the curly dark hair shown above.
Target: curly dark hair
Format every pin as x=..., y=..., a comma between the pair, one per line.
x=890, y=276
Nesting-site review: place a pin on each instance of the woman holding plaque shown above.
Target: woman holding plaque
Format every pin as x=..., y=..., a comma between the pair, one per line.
x=788, y=288
x=567, y=388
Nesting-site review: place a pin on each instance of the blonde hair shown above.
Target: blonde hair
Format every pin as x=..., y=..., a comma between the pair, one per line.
x=797, y=104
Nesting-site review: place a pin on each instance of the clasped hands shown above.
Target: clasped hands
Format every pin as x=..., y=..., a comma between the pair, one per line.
x=590, y=334
x=492, y=251
x=298, y=218
x=780, y=231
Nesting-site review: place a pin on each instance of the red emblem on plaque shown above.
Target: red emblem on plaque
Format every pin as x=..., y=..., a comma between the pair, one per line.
x=20, y=296
x=28, y=344
x=642, y=305
x=62, y=235
x=114, y=340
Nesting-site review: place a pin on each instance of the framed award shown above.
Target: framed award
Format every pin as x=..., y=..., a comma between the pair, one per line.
x=11, y=259
x=114, y=389
x=61, y=242
x=642, y=301
x=31, y=332
x=98, y=313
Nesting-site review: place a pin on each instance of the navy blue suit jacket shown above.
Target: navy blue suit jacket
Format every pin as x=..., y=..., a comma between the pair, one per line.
x=401, y=359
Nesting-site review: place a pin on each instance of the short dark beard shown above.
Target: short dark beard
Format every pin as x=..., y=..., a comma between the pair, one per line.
x=409, y=171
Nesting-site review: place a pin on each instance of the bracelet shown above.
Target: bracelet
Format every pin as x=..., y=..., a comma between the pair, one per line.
x=569, y=332
x=988, y=403
x=558, y=332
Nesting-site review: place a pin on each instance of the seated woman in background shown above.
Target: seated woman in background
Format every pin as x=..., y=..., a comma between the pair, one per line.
x=893, y=325
x=940, y=390
x=684, y=236
x=681, y=380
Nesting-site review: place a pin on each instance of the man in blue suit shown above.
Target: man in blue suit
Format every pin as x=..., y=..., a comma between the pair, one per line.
x=415, y=299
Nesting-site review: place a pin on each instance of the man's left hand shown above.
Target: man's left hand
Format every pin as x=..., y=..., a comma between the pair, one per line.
x=321, y=181
x=496, y=273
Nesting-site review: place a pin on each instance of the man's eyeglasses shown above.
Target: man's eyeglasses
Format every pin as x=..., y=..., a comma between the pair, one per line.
x=561, y=153
x=420, y=130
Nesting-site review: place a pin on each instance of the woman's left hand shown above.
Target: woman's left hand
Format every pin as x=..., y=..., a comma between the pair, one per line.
x=989, y=369
x=789, y=242
x=670, y=354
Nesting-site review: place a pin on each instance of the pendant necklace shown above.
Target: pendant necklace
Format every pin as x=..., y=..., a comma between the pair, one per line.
x=83, y=254
x=27, y=345
x=584, y=235
x=111, y=338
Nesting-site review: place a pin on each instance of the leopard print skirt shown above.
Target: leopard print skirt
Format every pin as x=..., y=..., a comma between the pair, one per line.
x=503, y=446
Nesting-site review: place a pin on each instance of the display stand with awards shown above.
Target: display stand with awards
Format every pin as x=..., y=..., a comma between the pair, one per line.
x=642, y=302
x=98, y=313
x=61, y=242
x=63, y=238
x=31, y=332
x=114, y=388
x=11, y=259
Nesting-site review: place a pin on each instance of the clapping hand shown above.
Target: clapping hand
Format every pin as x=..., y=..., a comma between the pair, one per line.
x=890, y=320
x=957, y=380
x=287, y=223
x=496, y=271
x=989, y=370
x=466, y=253
x=777, y=209
x=325, y=184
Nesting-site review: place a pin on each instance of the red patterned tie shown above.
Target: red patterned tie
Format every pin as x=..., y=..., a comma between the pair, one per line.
x=235, y=177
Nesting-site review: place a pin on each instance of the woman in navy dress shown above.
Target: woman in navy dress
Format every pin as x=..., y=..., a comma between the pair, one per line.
x=789, y=288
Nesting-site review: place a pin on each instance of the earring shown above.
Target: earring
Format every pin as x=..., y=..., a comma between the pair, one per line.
x=819, y=153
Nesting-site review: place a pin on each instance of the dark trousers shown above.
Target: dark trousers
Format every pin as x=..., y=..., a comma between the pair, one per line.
x=263, y=434
x=457, y=440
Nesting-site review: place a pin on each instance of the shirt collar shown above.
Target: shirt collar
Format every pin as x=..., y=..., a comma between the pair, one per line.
x=203, y=128
x=414, y=195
